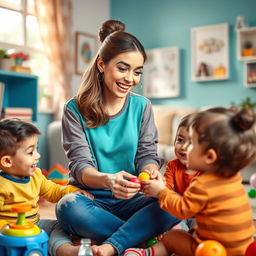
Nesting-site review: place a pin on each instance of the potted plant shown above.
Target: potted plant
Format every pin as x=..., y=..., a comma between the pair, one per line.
x=248, y=49
x=5, y=61
x=247, y=102
x=19, y=57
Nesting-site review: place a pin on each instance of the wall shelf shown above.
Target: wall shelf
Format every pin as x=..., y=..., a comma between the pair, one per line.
x=20, y=91
x=244, y=35
x=250, y=74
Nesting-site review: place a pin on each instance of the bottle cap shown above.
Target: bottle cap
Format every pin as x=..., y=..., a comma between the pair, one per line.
x=85, y=241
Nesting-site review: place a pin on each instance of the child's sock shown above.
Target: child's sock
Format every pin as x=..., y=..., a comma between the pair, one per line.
x=139, y=252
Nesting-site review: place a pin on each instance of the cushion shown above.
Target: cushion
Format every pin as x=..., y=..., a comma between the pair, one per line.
x=167, y=119
x=163, y=121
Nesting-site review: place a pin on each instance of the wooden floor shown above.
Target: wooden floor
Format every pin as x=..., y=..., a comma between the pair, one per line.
x=47, y=210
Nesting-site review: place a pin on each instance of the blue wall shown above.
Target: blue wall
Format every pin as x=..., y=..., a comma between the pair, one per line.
x=166, y=23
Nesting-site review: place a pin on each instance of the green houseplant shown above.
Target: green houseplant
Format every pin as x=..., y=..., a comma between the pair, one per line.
x=248, y=49
x=5, y=61
x=4, y=54
x=247, y=102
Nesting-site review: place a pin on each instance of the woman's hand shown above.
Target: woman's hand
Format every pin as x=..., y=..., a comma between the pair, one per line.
x=85, y=193
x=121, y=187
x=153, y=187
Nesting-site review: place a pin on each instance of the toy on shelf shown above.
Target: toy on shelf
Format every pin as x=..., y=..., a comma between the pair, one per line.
x=210, y=248
x=252, y=192
x=23, y=238
x=251, y=249
x=58, y=174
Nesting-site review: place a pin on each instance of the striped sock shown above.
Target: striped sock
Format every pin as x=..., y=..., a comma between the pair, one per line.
x=139, y=252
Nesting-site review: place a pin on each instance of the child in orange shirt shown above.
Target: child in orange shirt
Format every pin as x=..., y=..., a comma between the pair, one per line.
x=177, y=175
x=222, y=142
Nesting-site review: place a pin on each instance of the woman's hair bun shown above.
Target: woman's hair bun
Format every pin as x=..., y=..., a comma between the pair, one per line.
x=244, y=119
x=109, y=27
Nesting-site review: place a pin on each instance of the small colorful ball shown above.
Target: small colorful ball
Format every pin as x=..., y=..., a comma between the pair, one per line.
x=210, y=248
x=252, y=193
x=251, y=249
x=253, y=180
x=135, y=180
x=151, y=242
x=144, y=176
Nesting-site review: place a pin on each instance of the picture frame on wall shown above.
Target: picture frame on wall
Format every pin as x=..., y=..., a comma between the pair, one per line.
x=210, y=53
x=85, y=50
x=161, y=76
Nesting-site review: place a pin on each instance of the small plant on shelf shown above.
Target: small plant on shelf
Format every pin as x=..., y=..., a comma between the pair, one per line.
x=4, y=54
x=248, y=49
x=5, y=61
x=19, y=57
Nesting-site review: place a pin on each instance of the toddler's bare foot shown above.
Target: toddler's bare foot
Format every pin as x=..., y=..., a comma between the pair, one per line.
x=68, y=249
x=103, y=250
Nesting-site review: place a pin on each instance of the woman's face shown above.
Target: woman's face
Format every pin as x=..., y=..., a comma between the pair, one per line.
x=122, y=73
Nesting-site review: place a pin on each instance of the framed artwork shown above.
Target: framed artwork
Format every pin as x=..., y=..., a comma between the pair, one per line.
x=85, y=50
x=161, y=75
x=210, y=53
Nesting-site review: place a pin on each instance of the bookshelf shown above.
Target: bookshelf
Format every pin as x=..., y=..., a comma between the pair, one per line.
x=20, y=91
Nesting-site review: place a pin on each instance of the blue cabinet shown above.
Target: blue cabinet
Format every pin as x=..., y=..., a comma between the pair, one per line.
x=21, y=90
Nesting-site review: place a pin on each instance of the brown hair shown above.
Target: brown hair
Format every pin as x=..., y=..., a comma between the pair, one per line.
x=90, y=96
x=184, y=122
x=231, y=133
x=12, y=133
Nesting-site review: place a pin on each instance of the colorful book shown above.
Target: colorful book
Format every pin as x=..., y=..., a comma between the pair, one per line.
x=24, y=114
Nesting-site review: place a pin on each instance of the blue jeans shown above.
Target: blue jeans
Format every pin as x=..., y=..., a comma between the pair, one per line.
x=121, y=223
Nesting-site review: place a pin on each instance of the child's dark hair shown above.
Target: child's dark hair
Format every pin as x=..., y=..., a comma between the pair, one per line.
x=12, y=133
x=184, y=122
x=231, y=133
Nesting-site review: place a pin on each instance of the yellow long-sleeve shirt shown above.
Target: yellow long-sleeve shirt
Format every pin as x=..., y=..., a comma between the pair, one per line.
x=221, y=208
x=27, y=191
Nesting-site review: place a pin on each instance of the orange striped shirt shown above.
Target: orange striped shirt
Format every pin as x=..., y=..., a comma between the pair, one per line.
x=176, y=177
x=221, y=208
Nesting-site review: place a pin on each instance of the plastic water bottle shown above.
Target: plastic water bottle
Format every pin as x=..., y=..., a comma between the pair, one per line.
x=85, y=248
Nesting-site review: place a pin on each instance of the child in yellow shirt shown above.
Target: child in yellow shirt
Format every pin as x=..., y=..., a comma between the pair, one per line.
x=21, y=182
x=222, y=142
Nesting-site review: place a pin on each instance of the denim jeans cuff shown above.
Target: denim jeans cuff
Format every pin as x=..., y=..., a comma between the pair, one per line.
x=116, y=245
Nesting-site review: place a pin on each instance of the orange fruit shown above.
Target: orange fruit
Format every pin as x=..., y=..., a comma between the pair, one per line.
x=144, y=176
x=210, y=248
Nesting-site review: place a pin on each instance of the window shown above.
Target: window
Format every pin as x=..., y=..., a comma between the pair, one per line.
x=19, y=31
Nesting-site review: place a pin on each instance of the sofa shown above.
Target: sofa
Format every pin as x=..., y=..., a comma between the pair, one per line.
x=167, y=119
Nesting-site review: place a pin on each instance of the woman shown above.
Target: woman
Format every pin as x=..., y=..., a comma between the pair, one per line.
x=109, y=136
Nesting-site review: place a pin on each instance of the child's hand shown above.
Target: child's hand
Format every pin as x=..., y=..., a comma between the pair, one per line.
x=153, y=187
x=153, y=174
x=85, y=193
x=160, y=237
